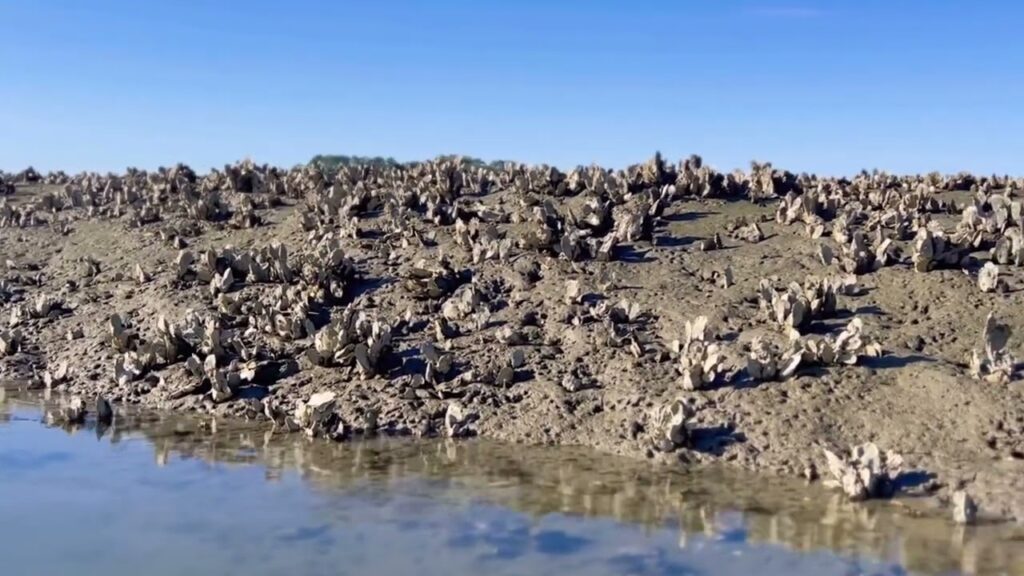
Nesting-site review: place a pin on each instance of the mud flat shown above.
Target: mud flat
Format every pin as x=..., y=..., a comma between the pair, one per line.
x=664, y=312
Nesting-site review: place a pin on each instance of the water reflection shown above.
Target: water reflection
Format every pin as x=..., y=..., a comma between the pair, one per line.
x=713, y=510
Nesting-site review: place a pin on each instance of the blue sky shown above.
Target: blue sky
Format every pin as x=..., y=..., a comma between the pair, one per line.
x=828, y=87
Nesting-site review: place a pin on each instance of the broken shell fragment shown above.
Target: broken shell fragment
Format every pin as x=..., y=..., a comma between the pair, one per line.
x=104, y=412
x=56, y=376
x=763, y=360
x=573, y=292
x=439, y=365
x=222, y=283
x=141, y=276
x=443, y=330
x=671, y=426
x=825, y=254
x=748, y=232
x=712, y=243
x=506, y=376
x=988, y=278
x=316, y=415
x=120, y=334
x=72, y=410
x=997, y=365
x=457, y=421
x=517, y=359
x=10, y=341
x=965, y=510
x=183, y=264
x=578, y=379
x=43, y=305
x=510, y=336
x=725, y=279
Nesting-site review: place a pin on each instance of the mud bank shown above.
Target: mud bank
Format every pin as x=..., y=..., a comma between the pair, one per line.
x=543, y=305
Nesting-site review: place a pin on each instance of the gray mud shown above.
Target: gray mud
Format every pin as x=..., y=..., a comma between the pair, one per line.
x=917, y=399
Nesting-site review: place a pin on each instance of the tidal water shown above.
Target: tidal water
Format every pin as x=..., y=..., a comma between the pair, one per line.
x=171, y=495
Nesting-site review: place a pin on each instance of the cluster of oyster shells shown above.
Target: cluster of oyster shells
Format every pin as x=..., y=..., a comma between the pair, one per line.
x=42, y=306
x=932, y=249
x=768, y=362
x=268, y=264
x=807, y=208
x=426, y=282
x=843, y=349
x=670, y=426
x=596, y=231
x=1007, y=248
x=746, y=230
x=213, y=359
x=144, y=195
x=17, y=216
x=858, y=258
x=283, y=314
x=700, y=360
x=866, y=472
x=354, y=339
x=483, y=241
x=223, y=380
x=317, y=416
x=796, y=306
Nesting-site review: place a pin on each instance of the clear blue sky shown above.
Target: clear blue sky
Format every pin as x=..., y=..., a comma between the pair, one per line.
x=829, y=87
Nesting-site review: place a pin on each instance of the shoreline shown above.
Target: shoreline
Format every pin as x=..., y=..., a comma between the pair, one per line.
x=556, y=481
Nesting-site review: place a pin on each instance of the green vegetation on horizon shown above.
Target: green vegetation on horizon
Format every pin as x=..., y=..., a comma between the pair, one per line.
x=334, y=161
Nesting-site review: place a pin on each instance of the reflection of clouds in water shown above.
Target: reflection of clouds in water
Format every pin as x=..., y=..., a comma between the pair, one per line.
x=651, y=562
x=491, y=534
x=498, y=534
x=559, y=543
x=15, y=460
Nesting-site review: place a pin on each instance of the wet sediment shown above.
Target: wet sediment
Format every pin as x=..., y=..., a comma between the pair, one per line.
x=540, y=307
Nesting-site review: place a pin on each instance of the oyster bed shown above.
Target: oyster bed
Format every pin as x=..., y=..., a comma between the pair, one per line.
x=760, y=318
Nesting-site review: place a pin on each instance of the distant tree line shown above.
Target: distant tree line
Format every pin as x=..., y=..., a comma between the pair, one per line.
x=334, y=161
x=337, y=160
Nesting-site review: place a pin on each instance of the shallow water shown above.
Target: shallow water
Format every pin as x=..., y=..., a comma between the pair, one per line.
x=163, y=495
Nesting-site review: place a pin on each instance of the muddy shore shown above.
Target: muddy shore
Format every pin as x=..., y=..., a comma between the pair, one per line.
x=718, y=503
x=694, y=508
x=582, y=377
